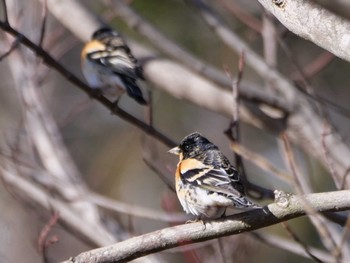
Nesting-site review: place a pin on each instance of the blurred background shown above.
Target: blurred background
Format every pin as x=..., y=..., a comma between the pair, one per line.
x=115, y=159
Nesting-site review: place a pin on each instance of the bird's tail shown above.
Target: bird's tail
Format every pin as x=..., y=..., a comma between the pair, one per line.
x=134, y=91
x=244, y=202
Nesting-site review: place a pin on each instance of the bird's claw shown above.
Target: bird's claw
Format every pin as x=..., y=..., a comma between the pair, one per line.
x=197, y=220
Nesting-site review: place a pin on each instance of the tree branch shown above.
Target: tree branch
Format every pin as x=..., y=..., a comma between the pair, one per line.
x=304, y=126
x=303, y=19
x=49, y=60
x=291, y=207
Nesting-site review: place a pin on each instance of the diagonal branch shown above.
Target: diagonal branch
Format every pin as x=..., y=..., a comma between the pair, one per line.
x=189, y=233
x=49, y=60
x=303, y=19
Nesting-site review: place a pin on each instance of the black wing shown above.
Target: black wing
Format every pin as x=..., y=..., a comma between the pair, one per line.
x=214, y=173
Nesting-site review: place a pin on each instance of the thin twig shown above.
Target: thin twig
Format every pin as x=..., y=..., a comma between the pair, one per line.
x=344, y=239
x=4, y=8
x=303, y=187
x=315, y=66
x=260, y=161
x=43, y=24
x=44, y=233
x=346, y=174
x=73, y=112
x=304, y=85
x=132, y=210
x=246, y=18
x=301, y=184
x=13, y=46
x=269, y=40
x=233, y=131
x=287, y=245
x=221, y=249
x=235, y=87
x=161, y=175
x=334, y=174
x=300, y=242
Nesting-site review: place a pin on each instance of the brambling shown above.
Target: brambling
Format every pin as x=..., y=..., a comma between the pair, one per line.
x=206, y=182
x=107, y=64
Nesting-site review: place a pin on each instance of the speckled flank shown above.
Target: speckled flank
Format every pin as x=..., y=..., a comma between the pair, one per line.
x=196, y=201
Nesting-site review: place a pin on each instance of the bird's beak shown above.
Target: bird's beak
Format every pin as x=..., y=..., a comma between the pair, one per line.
x=176, y=150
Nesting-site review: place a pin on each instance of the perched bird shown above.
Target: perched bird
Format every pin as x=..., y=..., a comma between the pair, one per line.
x=206, y=182
x=107, y=64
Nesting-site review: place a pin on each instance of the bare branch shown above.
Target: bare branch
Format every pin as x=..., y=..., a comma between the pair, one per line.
x=13, y=46
x=269, y=35
x=261, y=162
x=44, y=233
x=345, y=236
x=243, y=15
x=334, y=174
x=49, y=60
x=315, y=66
x=180, y=235
x=233, y=131
x=300, y=242
x=344, y=177
x=303, y=18
x=235, y=87
x=303, y=121
x=285, y=244
x=68, y=218
x=302, y=186
x=133, y=210
x=155, y=168
x=4, y=8
x=43, y=24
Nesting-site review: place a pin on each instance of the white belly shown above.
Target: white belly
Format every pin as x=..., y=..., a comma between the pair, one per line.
x=99, y=78
x=196, y=201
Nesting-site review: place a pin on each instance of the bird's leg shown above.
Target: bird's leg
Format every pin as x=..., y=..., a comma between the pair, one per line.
x=115, y=104
x=198, y=219
x=223, y=214
x=203, y=224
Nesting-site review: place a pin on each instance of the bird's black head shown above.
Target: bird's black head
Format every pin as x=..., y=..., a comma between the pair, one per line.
x=195, y=144
x=104, y=32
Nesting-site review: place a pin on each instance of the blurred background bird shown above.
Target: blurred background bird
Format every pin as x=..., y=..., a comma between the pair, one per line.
x=108, y=64
x=206, y=182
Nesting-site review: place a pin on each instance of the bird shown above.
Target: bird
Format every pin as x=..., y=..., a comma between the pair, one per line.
x=108, y=64
x=206, y=182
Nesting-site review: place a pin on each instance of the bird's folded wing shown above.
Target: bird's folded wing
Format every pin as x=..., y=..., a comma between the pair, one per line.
x=207, y=177
x=116, y=61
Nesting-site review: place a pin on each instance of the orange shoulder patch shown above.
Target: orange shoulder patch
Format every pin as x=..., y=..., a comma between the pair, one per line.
x=190, y=164
x=92, y=46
